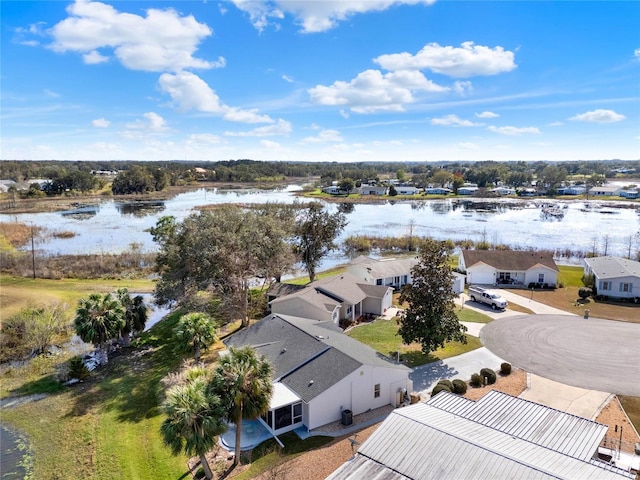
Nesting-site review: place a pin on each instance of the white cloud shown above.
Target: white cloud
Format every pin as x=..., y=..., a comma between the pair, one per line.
x=598, y=116
x=314, y=16
x=636, y=53
x=468, y=60
x=160, y=41
x=344, y=113
x=281, y=127
x=487, y=114
x=203, y=139
x=462, y=87
x=269, y=144
x=513, y=130
x=51, y=93
x=287, y=78
x=453, y=120
x=371, y=91
x=189, y=92
x=94, y=57
x=100, y=123
x=467, y=146
x=325, y=136
x=152, y=122
x=555, y=124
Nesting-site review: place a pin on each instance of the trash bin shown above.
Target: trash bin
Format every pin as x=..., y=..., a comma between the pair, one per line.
x=347, y=417
x=586, y=314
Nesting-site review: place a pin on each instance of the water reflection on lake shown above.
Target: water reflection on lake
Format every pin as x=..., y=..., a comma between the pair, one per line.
x=114, y=226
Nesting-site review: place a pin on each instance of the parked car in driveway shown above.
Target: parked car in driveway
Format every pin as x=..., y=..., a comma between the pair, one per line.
x=488, y=297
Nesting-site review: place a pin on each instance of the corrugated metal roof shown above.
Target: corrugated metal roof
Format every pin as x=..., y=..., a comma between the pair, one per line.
x=461, y=448
x=424, y=442
x=545, y=426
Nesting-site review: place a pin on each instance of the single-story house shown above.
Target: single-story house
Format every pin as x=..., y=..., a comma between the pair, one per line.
x=334, y=190
x=572, y=190
x=392, y=272
x=629, y=193
x=373, y=190
x=605, y=191
x=498, y=436
x=504, y=190
x=319, y=372
x=405, y=190
x=614, y=276
x=467, y=190
x=341, y=297
x=437, y=191
x=508, y=267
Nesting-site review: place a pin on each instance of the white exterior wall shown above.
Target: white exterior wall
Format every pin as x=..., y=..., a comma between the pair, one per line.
x=615, y=287
x=550, y=276
x=378, y=305
x=481, y=274
x=458, y=283
x=355, y=393
x=299, y=308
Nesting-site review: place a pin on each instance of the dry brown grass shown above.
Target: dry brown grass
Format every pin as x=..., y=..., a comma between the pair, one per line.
x=614, y=416
x=17, y=234
x=567, y=299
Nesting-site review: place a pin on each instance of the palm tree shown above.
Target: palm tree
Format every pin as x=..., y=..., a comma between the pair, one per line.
x=99, y=319
x=136, y=314
x=243, y=381
x=196, y=331
x=195, y=417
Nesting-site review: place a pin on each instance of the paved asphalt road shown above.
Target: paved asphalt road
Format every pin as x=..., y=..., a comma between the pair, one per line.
x=595, y=353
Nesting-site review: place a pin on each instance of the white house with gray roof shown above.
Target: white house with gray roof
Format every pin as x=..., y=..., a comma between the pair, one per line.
x=341, y=297
x=614, y=276
x=318, y=372
x=498, y=436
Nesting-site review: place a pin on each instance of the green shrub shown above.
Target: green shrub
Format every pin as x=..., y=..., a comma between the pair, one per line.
x=489, y=375
x=440, y=388
x=459, y=386
x=584, y=292
x=505, y=368
x=77, y=368
x=476, y=380
x=447, y=383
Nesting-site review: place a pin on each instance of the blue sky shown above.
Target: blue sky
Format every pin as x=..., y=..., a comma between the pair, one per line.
x=359, y=80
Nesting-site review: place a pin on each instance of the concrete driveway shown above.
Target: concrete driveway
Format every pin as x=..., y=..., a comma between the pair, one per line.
x=425, y=377
x=596, y=354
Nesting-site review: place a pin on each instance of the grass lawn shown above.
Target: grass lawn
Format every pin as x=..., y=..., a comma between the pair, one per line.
x=107, y=427
x=570, y=276
x=468, y=315
x=381, y=335
x=631, y=405
x=18, y=292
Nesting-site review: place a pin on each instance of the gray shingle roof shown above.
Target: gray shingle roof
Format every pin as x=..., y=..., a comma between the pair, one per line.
x=613, y=267
x=509, y=260
x=388, y=267
x=301, y=350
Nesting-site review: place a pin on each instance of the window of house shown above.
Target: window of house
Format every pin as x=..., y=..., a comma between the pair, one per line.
x=297, y=412
x=625, y=287
x=376, y=390
x=541, y=278
x=379, y=281
x=605, y=286
x=504, y=276
x=405, y=279
x=396, y=280
x=349, y=308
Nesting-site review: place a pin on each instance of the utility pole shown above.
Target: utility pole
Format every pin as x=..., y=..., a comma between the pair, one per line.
x=33, y=254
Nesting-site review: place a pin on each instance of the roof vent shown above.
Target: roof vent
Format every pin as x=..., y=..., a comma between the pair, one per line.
x=310, y=382
x=283, y=350
x=320, y=337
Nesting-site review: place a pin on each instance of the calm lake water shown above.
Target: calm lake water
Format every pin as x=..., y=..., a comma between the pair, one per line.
x=112, y=226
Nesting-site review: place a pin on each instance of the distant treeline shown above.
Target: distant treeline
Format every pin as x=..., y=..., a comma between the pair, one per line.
x=144, y=176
